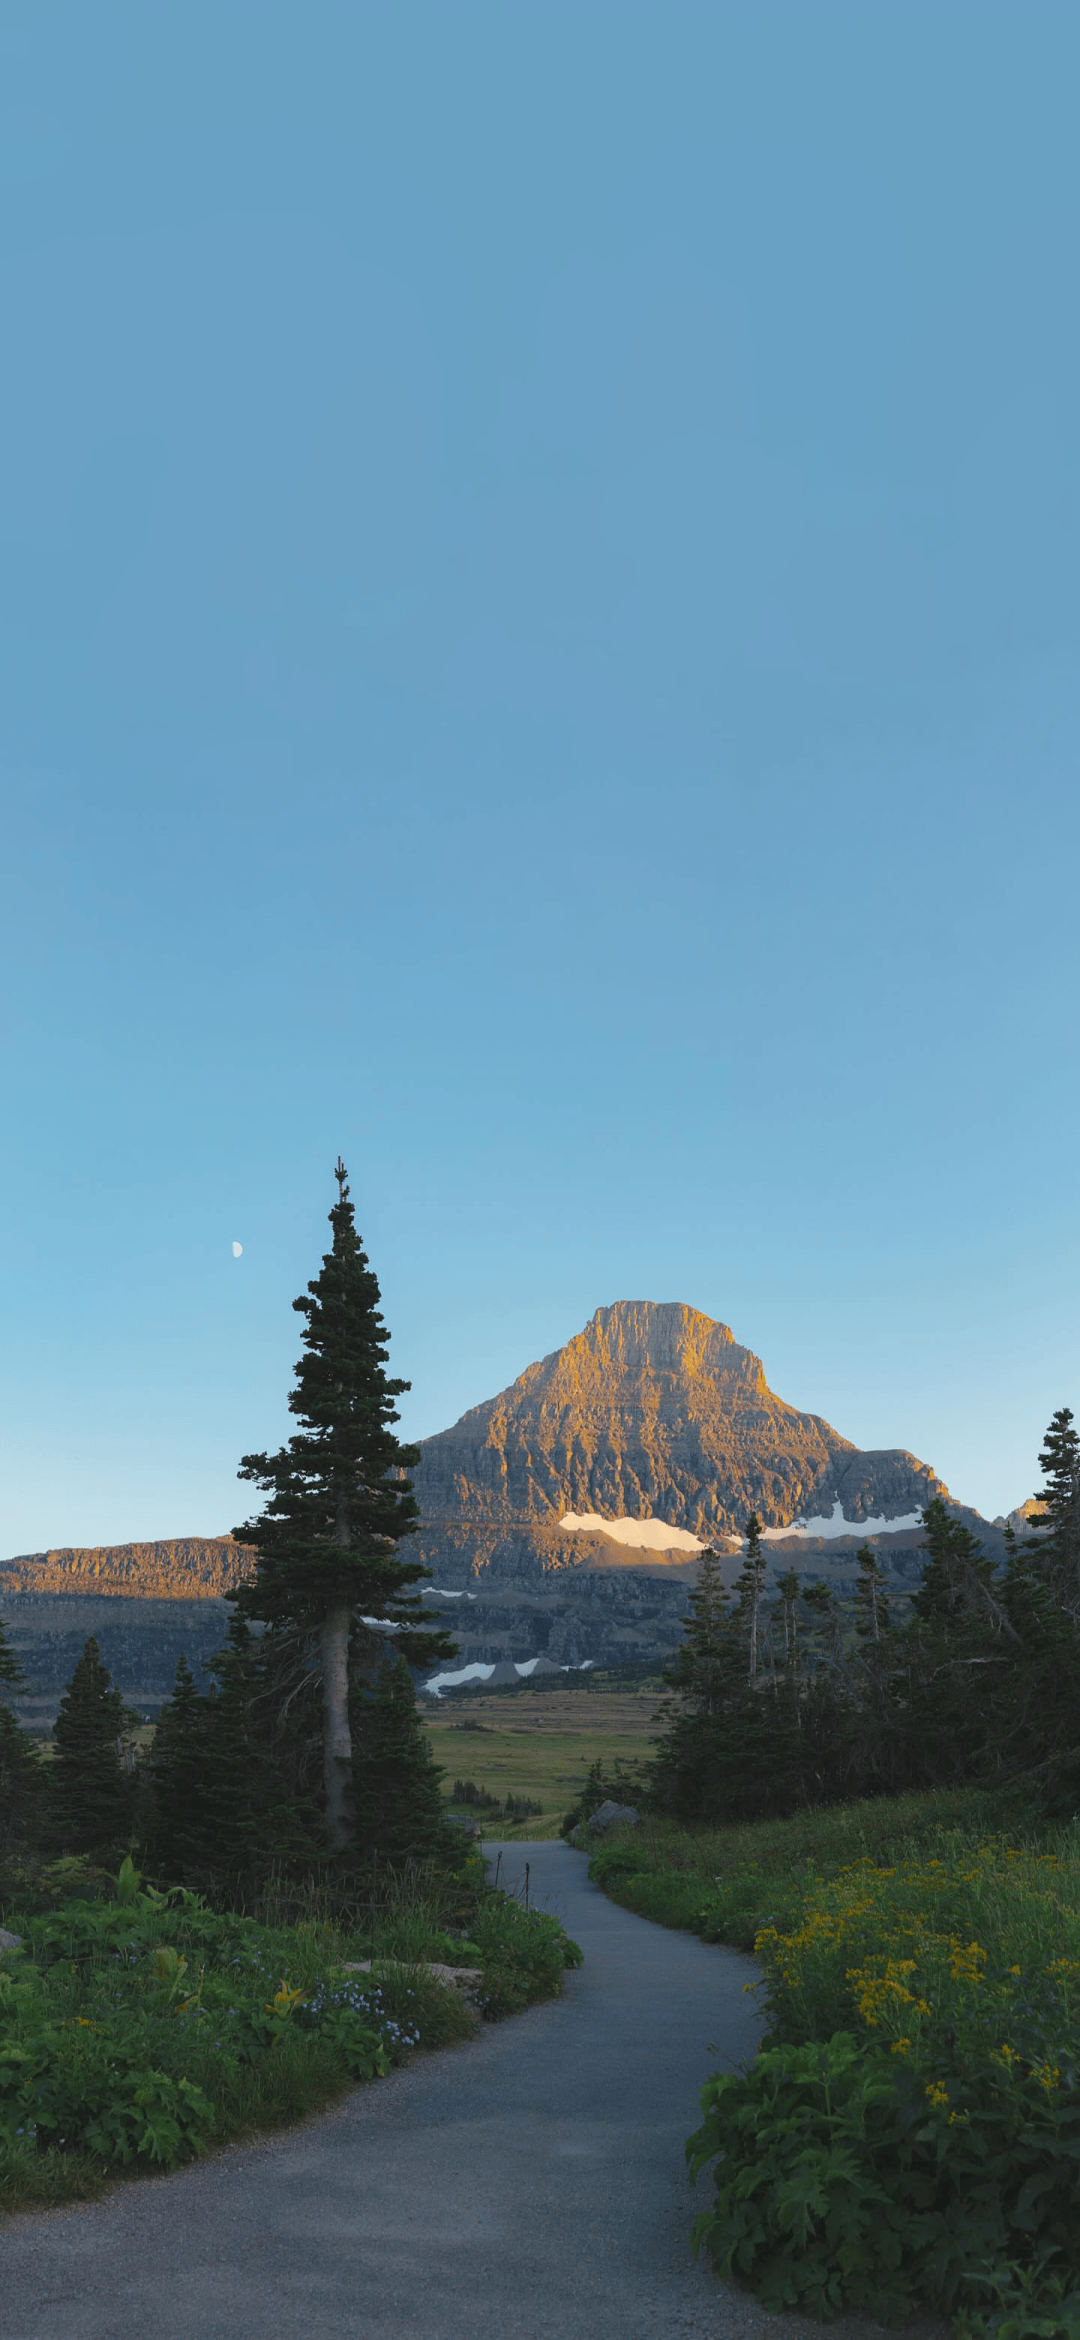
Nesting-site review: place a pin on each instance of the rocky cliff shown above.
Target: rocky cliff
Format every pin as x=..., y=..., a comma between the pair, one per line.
x=187, y=1568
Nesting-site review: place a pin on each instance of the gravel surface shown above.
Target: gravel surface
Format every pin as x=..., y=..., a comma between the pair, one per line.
x=528, y=2185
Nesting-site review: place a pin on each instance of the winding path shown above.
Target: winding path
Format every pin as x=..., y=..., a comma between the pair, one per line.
x=526, y=2186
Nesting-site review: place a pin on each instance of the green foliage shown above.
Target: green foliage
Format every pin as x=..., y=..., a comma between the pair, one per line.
x=731, y=1740
x=91, y=1787
x=11, y=1672
x=522, y=1952
x=801, y=2208
x=846, y=2180
x=477, y=1799
x=140, y=2030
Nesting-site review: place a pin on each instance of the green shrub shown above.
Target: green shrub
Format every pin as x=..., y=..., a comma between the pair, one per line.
x=911, y=2131
x=523, y=1954
x=846, y=2181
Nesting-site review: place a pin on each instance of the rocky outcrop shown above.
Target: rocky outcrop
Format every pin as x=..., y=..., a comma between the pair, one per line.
x=185, y=1568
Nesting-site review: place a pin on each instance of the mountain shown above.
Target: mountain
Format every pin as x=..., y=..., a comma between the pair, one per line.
x=654, y=1412
x=568, y=1511
x=562, y=1518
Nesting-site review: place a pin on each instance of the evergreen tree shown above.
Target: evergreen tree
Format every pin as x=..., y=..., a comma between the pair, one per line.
x=789, y=1589
x=959, y=1659
x=701, y=1670
x=396, y=1781
x=729, y=1750
x=1055, y=1541
x=22, y=1772
x=749, y=1588
x=12, y=1676
x=228, y=1800
x=178, y=1778
x=871, y=1597
x=340, y=1500
x=90, y=1785
x=958, y=1582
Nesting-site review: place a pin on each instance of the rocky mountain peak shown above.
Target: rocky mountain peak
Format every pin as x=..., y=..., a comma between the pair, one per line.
x=653, y=1411
x=635, y=1346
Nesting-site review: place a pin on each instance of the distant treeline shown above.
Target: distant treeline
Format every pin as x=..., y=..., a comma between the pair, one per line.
x=799, y=1698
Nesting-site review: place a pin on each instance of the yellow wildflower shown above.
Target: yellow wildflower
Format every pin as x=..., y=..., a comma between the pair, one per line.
x=936, y=2093
x=284, y=2000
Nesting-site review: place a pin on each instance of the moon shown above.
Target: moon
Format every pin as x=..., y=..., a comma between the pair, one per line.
x=236, y=1250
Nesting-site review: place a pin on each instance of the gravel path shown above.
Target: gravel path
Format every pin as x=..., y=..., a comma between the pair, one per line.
x=526, y=2186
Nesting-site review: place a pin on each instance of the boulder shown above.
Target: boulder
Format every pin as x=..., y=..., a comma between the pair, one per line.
x=8, y=1941
x=612, y=1815
x=454, y=1978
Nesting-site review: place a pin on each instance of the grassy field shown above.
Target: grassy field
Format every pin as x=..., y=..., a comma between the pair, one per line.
x=540, y=1744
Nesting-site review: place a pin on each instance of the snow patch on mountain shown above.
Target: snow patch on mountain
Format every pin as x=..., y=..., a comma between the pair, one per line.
x=650, y=1535
x=837, y=1525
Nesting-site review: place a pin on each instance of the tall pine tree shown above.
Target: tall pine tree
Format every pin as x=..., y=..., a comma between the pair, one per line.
x=340, y=1500
x=90, y=1784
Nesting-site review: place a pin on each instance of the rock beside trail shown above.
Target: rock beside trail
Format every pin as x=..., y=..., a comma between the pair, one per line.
x=458, y=1978
x=611, y=1815
x=8, y=1941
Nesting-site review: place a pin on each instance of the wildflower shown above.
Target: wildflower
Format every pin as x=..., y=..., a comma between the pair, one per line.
x=900, y=2047
x=1047, y=2075
x=936, y=2093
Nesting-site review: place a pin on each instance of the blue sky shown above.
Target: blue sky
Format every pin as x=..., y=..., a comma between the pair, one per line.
x=538, y=648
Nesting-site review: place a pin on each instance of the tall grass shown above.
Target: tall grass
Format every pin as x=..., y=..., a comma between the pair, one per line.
x=726, y=1883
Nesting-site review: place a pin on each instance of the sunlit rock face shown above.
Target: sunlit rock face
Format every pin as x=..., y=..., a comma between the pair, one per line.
x=653, y=1413
x=197, y=1568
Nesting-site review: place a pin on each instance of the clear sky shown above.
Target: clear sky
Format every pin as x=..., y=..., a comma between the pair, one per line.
x=538, y=648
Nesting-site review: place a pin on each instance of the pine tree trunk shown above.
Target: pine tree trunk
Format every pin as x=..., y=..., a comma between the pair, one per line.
x=337, y=1740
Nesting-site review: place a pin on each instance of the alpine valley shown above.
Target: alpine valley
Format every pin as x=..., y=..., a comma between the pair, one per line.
x=561, y=1520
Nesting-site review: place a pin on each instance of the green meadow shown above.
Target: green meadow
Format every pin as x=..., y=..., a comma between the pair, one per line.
x=538, y=1745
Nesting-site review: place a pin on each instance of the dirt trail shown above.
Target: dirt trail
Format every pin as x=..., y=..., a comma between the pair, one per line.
x=527, y=2186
